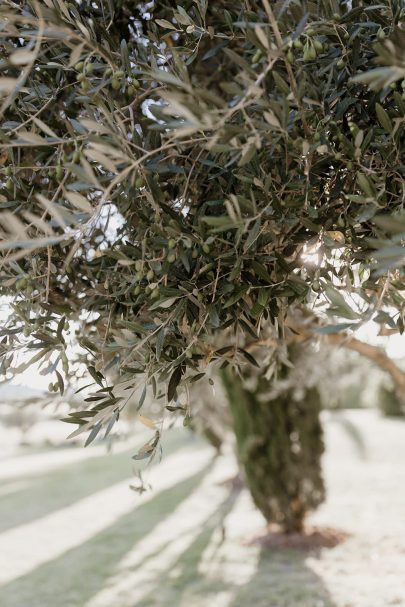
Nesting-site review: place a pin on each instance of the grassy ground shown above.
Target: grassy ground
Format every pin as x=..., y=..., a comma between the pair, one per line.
x=183, y=546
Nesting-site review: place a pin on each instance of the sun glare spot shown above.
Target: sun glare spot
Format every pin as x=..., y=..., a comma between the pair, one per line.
x=311, y=254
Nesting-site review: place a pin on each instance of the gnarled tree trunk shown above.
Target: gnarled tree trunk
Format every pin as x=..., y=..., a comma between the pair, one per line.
x=280, y=443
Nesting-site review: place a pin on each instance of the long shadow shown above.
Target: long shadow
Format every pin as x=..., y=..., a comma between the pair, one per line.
x=174, y=585
x=283, y=579
x=72, y=482
x=72, y=579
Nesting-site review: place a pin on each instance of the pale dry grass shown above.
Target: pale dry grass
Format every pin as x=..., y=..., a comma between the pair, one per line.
x=186, y=544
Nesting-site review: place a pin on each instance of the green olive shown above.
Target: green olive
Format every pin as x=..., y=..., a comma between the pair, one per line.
x=349, y=165
x=59, y=172
x=380, y=34
x=310, y=32
x=137, y=290
x=76, y=156
x=115, y=84
x=290, y=56
x=150, y=275
x=89, y=68
x=135, y=83
x=138, y=265
x=9, y=185
x=9, y=172
x=172, y=243
x=107, y=72
x=318, y=46
x=118, y=74
x=312, y=53
x=79, y=66
x=309, y=52
x=85, y=85
x=131, y=91
x=155, y=293
x=315, y=285
x=147, y=290
x=298, y=44
x=171, y=257
x=341, y=64
x=256, y=57
x=206, y=248
x=194, y=254
x=139, y=182
x=81, y=77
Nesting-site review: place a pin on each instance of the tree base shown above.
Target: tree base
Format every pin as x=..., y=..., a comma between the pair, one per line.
x=311, y=539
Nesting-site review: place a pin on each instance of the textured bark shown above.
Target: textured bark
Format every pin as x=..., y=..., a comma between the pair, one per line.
x=279, y=443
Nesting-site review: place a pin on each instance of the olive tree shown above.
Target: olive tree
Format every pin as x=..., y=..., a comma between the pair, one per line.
x=207, y=185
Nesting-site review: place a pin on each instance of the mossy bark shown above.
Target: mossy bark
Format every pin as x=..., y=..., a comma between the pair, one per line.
x=279, y=443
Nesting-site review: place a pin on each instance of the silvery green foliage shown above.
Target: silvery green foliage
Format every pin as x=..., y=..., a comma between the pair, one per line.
x=274, y=135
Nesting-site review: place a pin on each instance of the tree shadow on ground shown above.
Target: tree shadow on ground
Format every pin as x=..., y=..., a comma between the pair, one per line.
x=176, y=586
x=72, y=579
x=280, y=577
x=283, y=579
x=71, y=482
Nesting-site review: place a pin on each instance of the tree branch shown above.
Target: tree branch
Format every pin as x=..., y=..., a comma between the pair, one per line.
x=373, y=353
x=377, y=355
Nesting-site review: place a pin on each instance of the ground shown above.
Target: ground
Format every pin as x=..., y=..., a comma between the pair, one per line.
x=73, y=534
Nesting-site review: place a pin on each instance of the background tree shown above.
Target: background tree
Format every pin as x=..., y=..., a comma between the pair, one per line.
x=197, y=188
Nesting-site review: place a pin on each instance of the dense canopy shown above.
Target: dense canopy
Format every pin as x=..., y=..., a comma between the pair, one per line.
x=181, y=184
